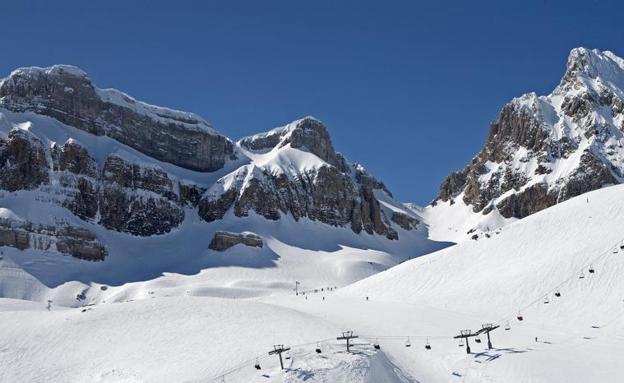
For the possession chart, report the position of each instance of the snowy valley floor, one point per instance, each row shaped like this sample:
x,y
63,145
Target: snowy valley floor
x,y
187,338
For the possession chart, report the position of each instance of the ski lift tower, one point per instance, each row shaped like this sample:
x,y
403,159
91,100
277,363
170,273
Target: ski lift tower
x,y
487,328
465,334
347,335
278,349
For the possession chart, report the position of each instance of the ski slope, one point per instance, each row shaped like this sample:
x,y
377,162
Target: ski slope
x,y
491,281
191,338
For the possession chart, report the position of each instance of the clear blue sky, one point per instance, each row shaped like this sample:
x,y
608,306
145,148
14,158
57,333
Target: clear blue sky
x,y
407,88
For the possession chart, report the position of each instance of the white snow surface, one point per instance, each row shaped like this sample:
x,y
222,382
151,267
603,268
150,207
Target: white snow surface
x,y
177,330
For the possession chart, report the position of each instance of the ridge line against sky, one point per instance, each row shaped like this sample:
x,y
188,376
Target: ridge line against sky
x,y
408,89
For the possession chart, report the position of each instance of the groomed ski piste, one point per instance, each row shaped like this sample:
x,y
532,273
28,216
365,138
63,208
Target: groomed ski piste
x,y
171,334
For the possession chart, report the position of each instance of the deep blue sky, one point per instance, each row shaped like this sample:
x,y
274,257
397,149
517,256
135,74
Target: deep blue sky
x,y
407,88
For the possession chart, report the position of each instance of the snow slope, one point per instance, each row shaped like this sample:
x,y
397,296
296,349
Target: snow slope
x,y
491,281
430,298
310,252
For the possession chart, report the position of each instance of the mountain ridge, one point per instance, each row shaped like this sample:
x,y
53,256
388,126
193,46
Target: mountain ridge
x,y
542,150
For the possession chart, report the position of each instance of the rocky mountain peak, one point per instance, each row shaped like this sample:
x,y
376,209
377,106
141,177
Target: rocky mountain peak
x,y
120,164
593,71
542,150
308,134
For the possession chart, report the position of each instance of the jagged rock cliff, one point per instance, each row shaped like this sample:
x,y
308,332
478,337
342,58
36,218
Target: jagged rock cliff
x,y
542,150
67,94
139,169
315,183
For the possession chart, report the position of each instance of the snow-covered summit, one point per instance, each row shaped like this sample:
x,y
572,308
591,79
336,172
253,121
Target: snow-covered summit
x,y
542,150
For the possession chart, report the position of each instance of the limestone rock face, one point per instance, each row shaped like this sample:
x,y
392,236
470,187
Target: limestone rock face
x,y
330,191
137,200
223,240
69,240
141,169
23,162
542,150
67,94
308,134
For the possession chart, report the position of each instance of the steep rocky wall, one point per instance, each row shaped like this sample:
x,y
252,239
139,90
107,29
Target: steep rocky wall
x,y
543,150
69,240
69,96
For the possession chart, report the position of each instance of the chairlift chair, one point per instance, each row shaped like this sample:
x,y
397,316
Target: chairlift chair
x,y
520,317
408,343
318,348
591,269
461,342
427,345
582,275
257,365
546,300
477,340
557,293
507,326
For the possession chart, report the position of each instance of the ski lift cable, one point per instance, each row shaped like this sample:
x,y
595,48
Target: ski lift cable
x,y
616,248
572,277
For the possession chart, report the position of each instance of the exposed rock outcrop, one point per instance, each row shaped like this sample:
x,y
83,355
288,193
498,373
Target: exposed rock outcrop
x,y
112,185
137,199
331,192
23,162
70,240
223,240
67,94
543,150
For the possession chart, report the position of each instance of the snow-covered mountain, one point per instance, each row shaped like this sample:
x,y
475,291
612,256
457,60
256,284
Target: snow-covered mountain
x,y
150,333
541,150
144,190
